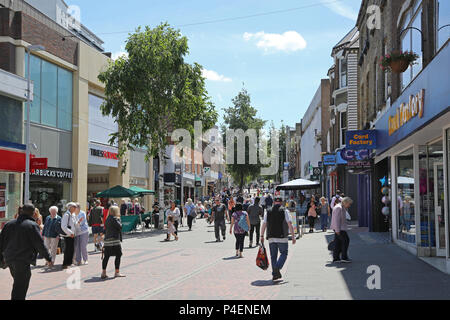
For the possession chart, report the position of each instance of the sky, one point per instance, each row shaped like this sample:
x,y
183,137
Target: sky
x,y
279,54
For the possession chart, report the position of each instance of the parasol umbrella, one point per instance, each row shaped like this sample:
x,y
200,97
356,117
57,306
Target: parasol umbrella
x,y
142,191
117,192
299,184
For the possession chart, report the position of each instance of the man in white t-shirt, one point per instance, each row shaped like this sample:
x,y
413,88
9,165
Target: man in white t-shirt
x,y
278,222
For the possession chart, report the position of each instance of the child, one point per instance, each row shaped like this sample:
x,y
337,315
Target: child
x,y
171,229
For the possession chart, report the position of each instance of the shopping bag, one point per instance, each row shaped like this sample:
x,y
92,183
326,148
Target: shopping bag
x,y
262,261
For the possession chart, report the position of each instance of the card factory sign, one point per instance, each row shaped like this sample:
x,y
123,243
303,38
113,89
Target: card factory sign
x,y
407,111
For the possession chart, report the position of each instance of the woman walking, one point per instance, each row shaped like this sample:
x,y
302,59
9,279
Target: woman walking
x,y
231,207
113,238
312,214
173,212
239,233
51,236
324,214
82,236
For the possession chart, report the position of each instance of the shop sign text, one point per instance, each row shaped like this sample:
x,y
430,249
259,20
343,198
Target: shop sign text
x,y
407,111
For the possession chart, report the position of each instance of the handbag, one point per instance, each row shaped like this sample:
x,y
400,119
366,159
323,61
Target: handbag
x,y
262,261
348,216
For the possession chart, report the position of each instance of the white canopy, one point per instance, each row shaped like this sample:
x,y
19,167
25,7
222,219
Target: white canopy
x,y
299,184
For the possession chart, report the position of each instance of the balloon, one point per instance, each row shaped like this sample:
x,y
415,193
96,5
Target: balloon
x,y
386,211
385,191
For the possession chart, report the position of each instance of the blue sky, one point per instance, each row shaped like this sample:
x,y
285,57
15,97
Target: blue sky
x,y
280,57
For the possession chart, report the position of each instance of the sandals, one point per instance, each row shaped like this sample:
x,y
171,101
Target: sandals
x,y
104,276
118,275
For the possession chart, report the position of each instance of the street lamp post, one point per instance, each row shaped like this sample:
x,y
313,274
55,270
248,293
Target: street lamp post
x,y
28,49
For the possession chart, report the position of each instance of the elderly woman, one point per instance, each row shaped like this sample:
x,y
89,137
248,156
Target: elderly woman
x,y
113,238
82,236
339,225
51,236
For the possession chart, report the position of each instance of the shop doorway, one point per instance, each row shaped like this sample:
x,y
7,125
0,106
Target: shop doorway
x,y
439,209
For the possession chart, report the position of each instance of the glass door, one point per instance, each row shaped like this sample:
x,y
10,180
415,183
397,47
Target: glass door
x,y
439,208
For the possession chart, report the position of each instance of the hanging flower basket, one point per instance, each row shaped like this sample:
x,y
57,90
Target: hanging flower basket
x,y
398,61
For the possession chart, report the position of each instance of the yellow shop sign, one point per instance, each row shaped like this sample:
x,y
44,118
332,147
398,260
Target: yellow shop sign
x,y
406,111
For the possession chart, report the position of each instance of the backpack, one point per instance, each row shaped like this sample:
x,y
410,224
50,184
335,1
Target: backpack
x,y
243,223
262,261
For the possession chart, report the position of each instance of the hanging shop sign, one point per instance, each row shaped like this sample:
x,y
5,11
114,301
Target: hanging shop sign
x,y
57,174
329,160
38,163
317,171
359,165
407,111
361,139
345,155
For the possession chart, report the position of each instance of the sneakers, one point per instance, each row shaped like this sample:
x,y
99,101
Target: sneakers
x,y
237,253
250,245
337,261
346,260
277,275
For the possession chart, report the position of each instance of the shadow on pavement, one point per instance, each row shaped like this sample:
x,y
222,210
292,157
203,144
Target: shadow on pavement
x,y
98,279
231,258
267,283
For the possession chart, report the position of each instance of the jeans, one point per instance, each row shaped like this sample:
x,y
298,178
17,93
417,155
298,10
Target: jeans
x,y
254,227
219,226
324,221
240,241
21,273
341,246
278,263
81,243
52,245
190,219
69,249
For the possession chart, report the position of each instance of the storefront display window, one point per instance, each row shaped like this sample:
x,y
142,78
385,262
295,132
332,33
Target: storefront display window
x,y
9,195
432,196
45,194
405,197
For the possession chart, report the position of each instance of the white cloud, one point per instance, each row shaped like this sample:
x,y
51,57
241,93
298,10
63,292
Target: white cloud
x,y
118,54
341,9
214,76
289,41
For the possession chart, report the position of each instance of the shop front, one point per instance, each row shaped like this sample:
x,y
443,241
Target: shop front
x,y
50,187
414,135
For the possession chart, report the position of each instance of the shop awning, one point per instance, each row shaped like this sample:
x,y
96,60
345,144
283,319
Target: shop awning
x,y
142,191
12,156
299,184
117,192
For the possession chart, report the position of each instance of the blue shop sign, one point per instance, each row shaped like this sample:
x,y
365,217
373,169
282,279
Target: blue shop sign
x,y
361,139
329,160
345,155
424,100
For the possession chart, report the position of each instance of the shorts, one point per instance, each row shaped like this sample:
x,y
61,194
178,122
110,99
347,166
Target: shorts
x,y
97,229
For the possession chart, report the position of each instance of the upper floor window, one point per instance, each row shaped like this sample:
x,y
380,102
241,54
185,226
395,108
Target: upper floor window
x,y
343,128
52,101
343,73
412,41
443,19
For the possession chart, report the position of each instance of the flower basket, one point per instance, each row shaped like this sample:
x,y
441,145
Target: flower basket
x,y
397,61
399,66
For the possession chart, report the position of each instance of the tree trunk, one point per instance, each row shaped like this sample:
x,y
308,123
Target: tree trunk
x,y
162,208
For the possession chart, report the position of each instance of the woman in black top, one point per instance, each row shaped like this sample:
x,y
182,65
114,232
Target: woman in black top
x,y
113,238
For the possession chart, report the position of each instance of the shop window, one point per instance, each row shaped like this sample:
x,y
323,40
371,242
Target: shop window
x,y
412,41
10,120
9,195
52,100
443,19
406,203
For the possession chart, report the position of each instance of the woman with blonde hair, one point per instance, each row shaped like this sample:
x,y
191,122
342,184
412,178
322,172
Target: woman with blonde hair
x,y
113,238
38,218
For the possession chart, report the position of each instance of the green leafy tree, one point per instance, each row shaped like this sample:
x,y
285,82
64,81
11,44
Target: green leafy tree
x,y
242,116
154,91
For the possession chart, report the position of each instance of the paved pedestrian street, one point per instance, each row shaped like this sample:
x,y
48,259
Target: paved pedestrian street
x,y
198,268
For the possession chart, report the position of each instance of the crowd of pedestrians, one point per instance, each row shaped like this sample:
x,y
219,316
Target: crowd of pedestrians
x,y
260,217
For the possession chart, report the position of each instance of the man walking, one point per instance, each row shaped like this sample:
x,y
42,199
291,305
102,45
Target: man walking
x,y
96,222
339,225
218,214
20,241
68,224
269,202
190,212
277,220
255,212
333,201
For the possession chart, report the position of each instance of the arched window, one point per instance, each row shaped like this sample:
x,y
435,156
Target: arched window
x,y
411,40
443,19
